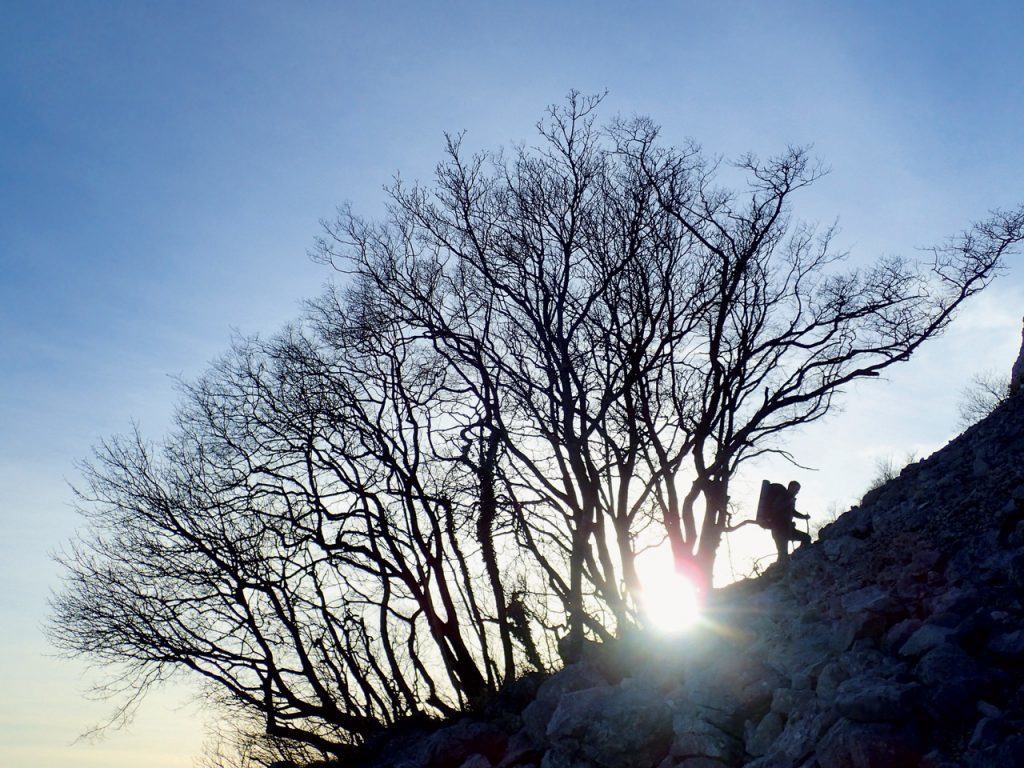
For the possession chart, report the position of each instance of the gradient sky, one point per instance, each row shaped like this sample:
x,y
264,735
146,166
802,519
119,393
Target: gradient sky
x,y
163,167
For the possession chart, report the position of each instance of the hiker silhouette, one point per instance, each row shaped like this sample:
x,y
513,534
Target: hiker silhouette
x,y
776,511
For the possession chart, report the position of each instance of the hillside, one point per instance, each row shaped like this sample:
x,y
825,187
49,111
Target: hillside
x,y
895,640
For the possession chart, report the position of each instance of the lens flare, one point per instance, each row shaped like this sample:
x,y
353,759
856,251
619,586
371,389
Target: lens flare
x,y
670,601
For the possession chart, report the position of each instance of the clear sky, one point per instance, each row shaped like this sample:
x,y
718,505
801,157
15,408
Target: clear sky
x,y
163,167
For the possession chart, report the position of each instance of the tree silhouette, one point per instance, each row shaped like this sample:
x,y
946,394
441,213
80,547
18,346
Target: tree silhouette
x,y
986,392
441,476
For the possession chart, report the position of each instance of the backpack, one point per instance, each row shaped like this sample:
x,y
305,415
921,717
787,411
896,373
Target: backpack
x,y
770,503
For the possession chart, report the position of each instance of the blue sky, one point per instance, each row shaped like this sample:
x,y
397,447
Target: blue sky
x,y
163,167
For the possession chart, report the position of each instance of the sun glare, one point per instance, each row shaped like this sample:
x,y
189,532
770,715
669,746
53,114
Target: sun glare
x,y
670,601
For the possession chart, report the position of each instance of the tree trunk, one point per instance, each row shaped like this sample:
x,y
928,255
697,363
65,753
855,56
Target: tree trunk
x,y
572,647
488,511
716,500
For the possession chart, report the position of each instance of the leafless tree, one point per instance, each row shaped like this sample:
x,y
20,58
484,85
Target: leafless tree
x,y
533,366
787,327
239,741
887,468
646,328
305,541
986,392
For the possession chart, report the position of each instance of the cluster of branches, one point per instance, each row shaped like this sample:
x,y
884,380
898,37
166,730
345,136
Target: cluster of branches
x,y
442,476
986,392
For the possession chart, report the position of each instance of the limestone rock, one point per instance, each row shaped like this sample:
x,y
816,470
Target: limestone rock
x,y
870,700
695,737
762,736
612,727
927,637
1017,372
537,714
868,745
450,747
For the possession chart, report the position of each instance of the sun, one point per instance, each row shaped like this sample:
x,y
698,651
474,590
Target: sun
x,y
669,600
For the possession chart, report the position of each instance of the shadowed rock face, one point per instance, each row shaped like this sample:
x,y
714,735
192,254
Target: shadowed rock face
x,y
1017,372
896,640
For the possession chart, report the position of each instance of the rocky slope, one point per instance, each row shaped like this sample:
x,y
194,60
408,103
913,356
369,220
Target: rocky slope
x,y
895,640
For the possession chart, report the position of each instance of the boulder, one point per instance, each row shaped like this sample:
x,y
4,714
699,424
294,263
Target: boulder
x,y
948,663
576,677
858,626
727,691
1007,646
760,738
868,745
899,633
871,599
990,730
450,747
954,683
786,701
755,699
521,750
927,637
832,674
869,700
803,731
696,737
612,727
855,524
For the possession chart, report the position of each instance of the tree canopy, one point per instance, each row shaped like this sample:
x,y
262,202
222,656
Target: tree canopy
x,y
440,476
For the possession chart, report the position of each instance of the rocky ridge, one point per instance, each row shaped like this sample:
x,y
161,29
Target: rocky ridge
x,y
897,639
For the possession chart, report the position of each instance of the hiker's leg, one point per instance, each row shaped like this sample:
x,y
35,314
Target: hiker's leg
x,y
801,537
781,545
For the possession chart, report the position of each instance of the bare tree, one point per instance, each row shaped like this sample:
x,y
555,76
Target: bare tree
x,y
303,541
787,328
534,366
647,328
986,392
239,741
887,469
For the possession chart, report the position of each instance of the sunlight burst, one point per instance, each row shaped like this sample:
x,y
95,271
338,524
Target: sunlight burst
x,y
670,601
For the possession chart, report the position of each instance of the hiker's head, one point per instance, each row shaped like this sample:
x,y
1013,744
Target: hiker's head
x,y
793,487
